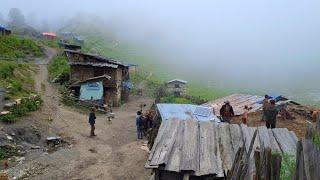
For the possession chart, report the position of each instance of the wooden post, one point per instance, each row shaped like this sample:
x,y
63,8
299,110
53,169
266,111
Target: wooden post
x,y
275,166
310,131
318,124
186,176
299,172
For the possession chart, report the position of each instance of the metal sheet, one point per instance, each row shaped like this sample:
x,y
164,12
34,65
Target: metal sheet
x,y
183,112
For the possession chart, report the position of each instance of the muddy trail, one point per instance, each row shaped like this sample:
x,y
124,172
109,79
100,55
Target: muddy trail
x,y
113,154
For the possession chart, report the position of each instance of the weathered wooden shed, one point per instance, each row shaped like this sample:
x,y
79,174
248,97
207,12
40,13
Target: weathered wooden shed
x,y
178,87
190,149
85,66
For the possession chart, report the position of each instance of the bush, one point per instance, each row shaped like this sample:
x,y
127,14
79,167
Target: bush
x,y
176,100
2,154
288,165
59,67
27,105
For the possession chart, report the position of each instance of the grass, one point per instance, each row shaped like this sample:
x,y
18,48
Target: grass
x,y
12,47
17,78
28,104
2,154
50,43
288,165
59,67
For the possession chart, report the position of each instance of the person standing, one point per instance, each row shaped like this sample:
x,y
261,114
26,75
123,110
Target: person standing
x,y
271,115
245,114
92,121
265,105
139,124
226,112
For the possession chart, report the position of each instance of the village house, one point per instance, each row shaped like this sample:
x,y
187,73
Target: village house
x,y
177,87
99,79
49,35
4,31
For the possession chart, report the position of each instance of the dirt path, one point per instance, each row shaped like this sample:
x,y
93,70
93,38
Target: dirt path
x,y
113,154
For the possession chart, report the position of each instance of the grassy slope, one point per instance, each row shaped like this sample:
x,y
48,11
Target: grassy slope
x,y
153,73
12,47
17,77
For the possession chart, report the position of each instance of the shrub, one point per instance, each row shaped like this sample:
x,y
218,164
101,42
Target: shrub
x,y
27,105
288,165
59,67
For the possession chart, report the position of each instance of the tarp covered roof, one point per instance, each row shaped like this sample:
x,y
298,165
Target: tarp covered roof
x,y
208,148
186,112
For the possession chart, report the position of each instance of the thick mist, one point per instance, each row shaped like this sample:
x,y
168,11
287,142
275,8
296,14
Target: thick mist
x,y
262,46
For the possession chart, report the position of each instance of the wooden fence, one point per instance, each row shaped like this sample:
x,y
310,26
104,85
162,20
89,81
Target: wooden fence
x,y
308,155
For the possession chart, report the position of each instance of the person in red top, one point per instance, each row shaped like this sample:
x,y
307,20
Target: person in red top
x,y
245,114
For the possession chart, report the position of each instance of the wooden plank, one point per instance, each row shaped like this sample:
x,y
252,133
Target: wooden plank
x,y
236,137
311,156
284,140
175,157
167,146
224,142
299,172
217,151
190,153
274,144
158,138
165,140
263,137
208,158
245,136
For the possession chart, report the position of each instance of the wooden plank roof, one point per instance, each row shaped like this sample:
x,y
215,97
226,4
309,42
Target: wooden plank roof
x,y
208,148
238,101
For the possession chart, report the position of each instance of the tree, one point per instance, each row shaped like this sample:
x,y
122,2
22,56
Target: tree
x,y
16,18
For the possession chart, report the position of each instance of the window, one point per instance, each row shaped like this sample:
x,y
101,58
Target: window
x,y
176,93
177,85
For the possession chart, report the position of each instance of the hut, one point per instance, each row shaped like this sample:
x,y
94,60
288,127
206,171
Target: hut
x,y
49,35
86,67
4,31
69,46
192,149
177,87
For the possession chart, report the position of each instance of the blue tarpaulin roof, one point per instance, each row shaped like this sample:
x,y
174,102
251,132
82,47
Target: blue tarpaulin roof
x,y
186,112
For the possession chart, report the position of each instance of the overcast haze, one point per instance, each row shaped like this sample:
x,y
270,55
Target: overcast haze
x,y
267,45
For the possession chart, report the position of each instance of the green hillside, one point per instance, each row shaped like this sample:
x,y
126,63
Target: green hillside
x,y
99,40
12,47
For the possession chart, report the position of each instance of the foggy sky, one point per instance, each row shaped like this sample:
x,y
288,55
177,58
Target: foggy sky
x,y
267,44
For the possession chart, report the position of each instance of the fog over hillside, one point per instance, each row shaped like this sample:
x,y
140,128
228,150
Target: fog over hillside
x,y
262,46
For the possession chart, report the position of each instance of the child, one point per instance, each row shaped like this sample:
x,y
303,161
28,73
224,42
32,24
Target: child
x,y
245,115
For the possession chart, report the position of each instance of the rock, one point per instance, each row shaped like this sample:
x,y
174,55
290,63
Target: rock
x,y
9,138
20,160
4,112
12,134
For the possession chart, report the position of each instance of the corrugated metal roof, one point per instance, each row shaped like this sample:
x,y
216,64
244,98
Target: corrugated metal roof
x,y
237,101
94,64
177,80
209,148
185,112
99,58
49,34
